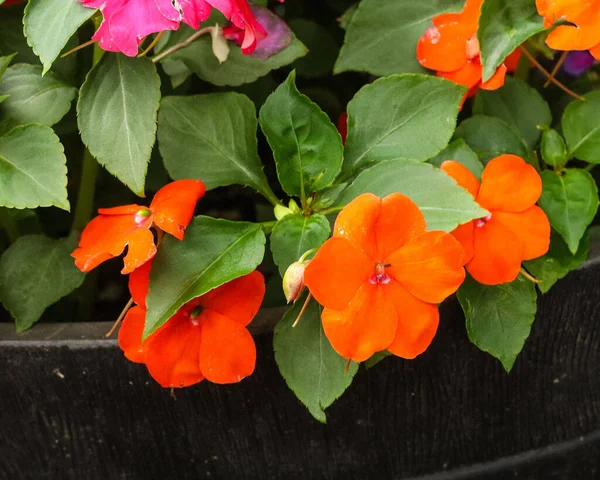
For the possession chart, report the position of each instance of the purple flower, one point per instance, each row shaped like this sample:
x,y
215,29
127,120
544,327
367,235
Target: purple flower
x,y
577,62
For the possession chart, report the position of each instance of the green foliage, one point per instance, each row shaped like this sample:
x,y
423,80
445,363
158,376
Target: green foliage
x,y
307,147
322,48
460,152
553,149
213,252
499,317
307,361
581,128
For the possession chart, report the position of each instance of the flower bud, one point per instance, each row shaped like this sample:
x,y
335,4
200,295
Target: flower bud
x,y
553,149
280,211
293,281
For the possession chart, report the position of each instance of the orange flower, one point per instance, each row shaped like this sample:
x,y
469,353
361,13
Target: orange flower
x,y
451,48
583,34
380,276
107,235
206,338
515,230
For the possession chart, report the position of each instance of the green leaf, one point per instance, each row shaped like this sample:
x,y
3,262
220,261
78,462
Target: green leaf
x,y
346,18
307,147
460,152
213,252
5,62
35,272
238,69
557,262
33,171
117,112
33,98
444,204
376,358
211,138
581,128
517,104
323,48
307,361
553,149
48,26
490,137
570,200
499,317
400,117
503,26
294,235
382,37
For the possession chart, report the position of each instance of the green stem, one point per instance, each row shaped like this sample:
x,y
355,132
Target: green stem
x,y
523,69
268,226
270,196
87,191
589,167
330,210
9,224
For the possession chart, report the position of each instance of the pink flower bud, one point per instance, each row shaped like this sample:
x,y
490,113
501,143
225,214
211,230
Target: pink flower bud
x,y
293,281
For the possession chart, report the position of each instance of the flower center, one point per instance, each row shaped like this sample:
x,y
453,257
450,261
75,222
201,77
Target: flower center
x,y
196,312
472,47
380,277
142,215
480,222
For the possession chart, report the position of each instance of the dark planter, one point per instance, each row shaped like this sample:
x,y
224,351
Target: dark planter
x,y
72,406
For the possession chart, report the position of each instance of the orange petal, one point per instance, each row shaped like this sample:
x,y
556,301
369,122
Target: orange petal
x,y
509,184
122,210
357,223
585,34
106,236
498,254
465,234
173,205
430,267
417,323
336,272
497,79
138,283
173,352
531,227
471,11
512,61
443,46
595,51
469,74
238,300
366,326
130,334
462,175
227,351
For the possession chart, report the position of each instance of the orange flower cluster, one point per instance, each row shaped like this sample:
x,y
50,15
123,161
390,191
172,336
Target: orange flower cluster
x,y
583,33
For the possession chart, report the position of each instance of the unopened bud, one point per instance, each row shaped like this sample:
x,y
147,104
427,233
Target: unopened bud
x,y
293,281
281,211
293,206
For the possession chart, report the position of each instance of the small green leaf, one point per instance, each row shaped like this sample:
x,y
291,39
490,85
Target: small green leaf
x,y
307,147
570,200
35,272
376,358
559,261
117,111
49,25
211,138
213,252
581,128
499,317
382,37
503,26
5,62
460,152
307,361
553,149
33,171
444,204
400,117
33,98
294,235
490,137
517,104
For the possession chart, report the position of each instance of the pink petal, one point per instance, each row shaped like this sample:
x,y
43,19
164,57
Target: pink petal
x,y
194,12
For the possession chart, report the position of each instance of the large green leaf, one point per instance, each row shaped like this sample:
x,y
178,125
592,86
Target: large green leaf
x,y
383,34
35,272
444,204
400,117
503,26
48,25
570,199
294,235
307,361
307,147
581,128
33,98
211,138
499,317
33,171
517,104
117,111
491,137
213,252
559,261
460,152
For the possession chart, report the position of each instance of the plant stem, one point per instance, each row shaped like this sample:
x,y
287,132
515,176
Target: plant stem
x,y
330,210
556,67
9,224
185,43
87,189
152,44
268,226
529,277
590,166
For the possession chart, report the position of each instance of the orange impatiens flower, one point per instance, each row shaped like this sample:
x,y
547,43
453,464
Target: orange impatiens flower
x,y
515,229
380,277
451,48
107,235
583,30
206,338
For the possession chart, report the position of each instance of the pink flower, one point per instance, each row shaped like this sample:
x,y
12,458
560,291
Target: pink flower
x,y
127,22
